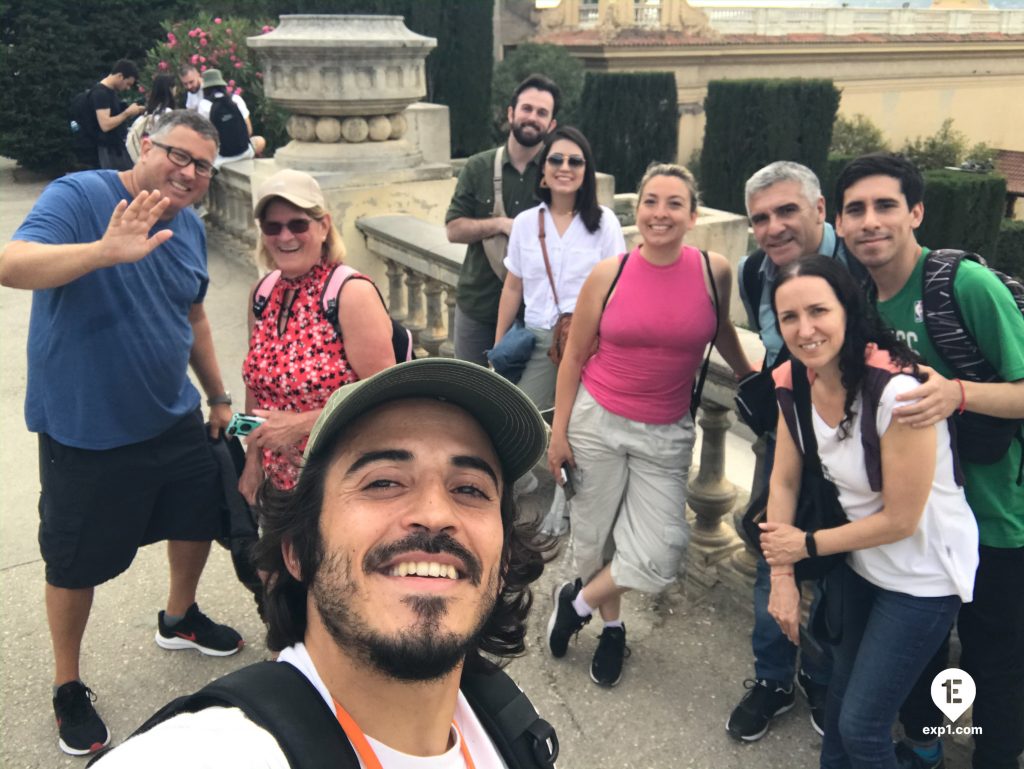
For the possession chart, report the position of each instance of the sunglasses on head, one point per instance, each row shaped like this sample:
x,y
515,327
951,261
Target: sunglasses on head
x,y
558,159
295,226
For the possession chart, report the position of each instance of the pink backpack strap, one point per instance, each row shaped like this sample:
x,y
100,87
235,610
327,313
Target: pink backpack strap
x,y
261,294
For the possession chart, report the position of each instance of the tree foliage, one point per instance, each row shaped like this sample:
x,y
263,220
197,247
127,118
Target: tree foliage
x,y
856,136
631,119
1010,248
536,58
751,123
962,210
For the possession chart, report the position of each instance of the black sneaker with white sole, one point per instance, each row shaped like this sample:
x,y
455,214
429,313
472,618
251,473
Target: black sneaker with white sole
x,y
763,701
606,669
564,622
197,631
81,729
816,694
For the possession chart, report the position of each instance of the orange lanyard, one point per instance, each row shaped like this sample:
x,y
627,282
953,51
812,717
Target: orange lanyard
x,y
361,744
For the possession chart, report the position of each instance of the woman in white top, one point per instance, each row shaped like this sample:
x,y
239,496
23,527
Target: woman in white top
x,y
912,544
578,233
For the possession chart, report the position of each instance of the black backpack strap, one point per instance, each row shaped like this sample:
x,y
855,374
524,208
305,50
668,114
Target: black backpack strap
x,y
522,737
698,385
752,285
615,280
279,698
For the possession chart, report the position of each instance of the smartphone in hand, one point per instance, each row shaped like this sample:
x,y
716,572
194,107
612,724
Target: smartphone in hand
x,y
243,424
567,485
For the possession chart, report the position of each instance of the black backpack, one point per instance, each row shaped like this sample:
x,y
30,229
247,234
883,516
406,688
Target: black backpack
x,y
279,698
981,439
230,125
83,126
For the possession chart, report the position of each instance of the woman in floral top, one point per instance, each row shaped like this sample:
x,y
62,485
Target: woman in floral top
x,y
296,357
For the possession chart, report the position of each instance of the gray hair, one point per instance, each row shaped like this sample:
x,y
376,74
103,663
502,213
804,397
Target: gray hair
x,y
188,118
783,171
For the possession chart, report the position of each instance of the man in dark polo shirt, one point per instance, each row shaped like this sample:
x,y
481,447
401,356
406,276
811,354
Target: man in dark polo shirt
x,y
472,218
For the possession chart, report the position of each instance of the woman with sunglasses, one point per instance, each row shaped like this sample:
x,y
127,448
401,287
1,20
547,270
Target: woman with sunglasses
x,y
576,233
911,541
296,356
622,415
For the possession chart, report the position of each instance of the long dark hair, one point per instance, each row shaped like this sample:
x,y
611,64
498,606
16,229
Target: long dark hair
x,y
863,326
294,516
586,196
161,95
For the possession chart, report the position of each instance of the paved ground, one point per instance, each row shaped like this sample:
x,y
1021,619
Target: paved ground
x,y
690,649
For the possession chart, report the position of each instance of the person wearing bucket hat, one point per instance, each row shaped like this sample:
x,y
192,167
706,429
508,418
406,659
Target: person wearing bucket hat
x,y
230,115
396,560
297,354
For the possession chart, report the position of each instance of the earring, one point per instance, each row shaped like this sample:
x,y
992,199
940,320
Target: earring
x,y
543,182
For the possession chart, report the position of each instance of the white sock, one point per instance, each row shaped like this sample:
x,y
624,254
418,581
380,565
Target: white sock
x,y
582,607
613,623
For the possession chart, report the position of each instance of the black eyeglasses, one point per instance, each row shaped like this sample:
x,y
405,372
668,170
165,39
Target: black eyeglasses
x,y
558,160
295,227
182,159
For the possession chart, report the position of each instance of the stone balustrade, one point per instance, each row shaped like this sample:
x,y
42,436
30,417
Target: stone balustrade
x,y
422,271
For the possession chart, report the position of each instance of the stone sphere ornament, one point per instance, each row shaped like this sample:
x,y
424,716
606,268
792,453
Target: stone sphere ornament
x,y
328,130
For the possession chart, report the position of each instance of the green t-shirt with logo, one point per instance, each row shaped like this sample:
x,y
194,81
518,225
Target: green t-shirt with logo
x,y
479,290
993,320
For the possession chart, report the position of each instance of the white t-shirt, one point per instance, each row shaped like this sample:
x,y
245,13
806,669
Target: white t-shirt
x,y
938,559
214,738
572,255
205,105
193,99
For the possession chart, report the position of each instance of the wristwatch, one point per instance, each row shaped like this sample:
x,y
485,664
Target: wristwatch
x,y
217,400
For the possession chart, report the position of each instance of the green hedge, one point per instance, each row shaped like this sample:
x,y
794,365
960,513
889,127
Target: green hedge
x,y
1010,248
962,210
751,123
631,119
833,166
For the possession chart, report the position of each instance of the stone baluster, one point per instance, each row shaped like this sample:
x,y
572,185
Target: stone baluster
x,y
434,334
711,497
448,346
416,319
396,292
744,560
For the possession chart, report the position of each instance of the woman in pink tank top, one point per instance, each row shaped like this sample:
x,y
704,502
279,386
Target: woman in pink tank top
x,y
622,425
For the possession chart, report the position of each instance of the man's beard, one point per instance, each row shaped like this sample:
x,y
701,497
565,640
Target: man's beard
x,y
527,140
422,652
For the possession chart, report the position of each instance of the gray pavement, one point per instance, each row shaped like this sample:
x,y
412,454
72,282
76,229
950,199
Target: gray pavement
x,y
690,648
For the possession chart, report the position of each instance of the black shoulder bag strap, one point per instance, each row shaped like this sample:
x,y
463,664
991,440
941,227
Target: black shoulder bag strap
x,y
804,420
750,278
522,737
698,385
280,699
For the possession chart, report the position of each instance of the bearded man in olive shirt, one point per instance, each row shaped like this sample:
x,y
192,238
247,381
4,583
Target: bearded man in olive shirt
x,y
470,218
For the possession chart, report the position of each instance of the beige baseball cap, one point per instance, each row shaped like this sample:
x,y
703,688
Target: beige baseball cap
x,y
298,188
509,418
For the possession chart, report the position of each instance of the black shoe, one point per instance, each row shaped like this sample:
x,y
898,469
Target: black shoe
x,y
81,729
908,759
815,694
564,622
197,631
763,701
606,669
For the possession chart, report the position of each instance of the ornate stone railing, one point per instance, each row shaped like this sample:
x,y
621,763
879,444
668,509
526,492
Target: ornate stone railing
x,y
422,271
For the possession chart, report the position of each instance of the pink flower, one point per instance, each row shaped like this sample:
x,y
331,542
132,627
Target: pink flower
x,y
259,75
217,20
163,65
195,58
172,44
238,65
193,32
202,41
170,37
267,28
231,83
238,91
202,58
202,68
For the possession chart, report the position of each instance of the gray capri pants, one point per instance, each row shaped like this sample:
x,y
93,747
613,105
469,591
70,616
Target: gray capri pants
x,y
630,503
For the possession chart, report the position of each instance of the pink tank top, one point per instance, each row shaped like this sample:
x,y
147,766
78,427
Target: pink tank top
x,y
654,332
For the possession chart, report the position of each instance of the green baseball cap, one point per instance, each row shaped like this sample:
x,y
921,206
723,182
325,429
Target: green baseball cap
x,y
509,418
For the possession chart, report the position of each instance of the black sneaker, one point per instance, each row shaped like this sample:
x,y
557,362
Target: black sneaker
x,y
908,759
815,694
763,701
564,622
81,729
197,631
606,669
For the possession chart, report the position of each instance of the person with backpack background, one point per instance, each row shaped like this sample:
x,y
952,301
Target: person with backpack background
x,y
906,540
297,354
230,116
159,101
966,323
395,564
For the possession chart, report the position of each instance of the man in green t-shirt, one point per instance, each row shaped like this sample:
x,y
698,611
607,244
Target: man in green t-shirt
x,y
879,204
471,220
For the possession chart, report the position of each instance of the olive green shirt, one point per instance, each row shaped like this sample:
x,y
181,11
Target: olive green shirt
x,y
479,290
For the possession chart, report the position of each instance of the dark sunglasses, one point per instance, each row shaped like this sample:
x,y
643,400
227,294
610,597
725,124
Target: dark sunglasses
x,y
558,159
295,227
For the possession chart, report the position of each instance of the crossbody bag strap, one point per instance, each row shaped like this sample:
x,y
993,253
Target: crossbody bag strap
x,y
544,252
804,418
499,201
698,386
